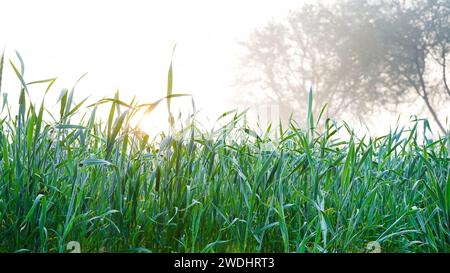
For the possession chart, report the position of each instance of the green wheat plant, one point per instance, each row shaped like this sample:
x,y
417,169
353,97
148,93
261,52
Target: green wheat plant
x,y
106,184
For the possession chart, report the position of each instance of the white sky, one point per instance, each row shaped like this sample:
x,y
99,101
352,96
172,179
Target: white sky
x,y
126,45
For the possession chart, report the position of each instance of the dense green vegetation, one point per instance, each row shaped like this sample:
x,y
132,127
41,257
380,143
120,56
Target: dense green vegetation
x,y
105,184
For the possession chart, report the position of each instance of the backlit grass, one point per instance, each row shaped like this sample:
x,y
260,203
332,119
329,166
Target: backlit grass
x,y
104,183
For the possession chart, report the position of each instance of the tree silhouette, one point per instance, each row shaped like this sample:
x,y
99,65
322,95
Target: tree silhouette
x,y
357,55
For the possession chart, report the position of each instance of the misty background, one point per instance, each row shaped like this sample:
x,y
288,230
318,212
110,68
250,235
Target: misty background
x,y
371,61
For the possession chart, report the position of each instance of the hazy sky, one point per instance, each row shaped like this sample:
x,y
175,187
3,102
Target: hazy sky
x,y
126,45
